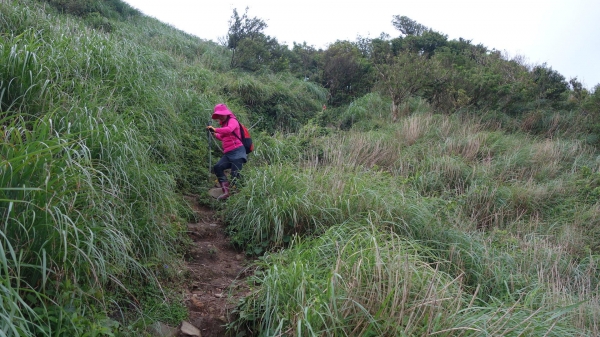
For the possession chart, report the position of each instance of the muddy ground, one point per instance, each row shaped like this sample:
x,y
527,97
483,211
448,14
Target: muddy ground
x,y
217,273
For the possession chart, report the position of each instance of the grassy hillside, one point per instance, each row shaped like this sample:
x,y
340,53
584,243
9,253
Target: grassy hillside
x,y
447,212
434,224
103,127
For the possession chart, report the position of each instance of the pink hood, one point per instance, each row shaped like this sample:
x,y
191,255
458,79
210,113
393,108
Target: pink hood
x,y
221,109
226,132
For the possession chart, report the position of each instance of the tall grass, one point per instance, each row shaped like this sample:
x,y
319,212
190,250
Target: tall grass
x,y
436,224
284,102
72,224
88,174
280,201
483,204
356,280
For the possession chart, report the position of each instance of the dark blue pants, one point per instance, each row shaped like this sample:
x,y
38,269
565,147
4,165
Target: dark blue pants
x,y
234,163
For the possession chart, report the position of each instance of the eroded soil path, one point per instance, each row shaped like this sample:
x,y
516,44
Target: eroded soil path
x,y
216,273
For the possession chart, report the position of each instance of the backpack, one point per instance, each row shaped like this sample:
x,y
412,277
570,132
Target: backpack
x,y
245,138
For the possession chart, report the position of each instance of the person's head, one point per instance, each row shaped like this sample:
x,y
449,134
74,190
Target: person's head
x,y
221,112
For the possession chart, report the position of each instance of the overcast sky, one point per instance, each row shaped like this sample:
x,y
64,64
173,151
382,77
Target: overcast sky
x,y
564,34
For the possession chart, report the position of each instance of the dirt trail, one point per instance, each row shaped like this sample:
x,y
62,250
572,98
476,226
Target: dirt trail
x,y
216,272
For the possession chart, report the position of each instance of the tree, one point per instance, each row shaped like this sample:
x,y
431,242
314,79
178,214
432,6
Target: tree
x,y
381,51
550,83
482,80
243,28
408,74
591,103
418,38
407,26
425,43
252,54
346,73
579,93
306,61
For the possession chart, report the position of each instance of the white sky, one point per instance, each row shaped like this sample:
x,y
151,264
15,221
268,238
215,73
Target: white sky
x,y
565,34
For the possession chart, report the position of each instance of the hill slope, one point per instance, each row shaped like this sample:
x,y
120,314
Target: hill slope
x,y
470,204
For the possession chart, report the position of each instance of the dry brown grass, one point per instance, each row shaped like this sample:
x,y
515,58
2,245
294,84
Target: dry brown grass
x,y
469,147
413,128
361,150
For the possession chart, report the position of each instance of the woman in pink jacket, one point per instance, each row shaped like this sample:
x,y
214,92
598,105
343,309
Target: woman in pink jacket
x,y
234,153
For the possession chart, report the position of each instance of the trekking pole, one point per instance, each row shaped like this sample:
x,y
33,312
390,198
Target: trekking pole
x,y
258,121
209,151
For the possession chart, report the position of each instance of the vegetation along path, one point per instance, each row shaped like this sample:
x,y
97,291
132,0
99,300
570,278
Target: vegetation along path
x,y
216,272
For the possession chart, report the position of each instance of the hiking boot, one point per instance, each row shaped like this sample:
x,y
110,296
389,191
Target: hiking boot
x,y
225,189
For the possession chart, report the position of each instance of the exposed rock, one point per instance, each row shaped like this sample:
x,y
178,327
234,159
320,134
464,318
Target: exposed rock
x,y
159,329
196,303
189,330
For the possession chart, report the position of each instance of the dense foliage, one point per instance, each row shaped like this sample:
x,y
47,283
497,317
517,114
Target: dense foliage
x,y
408,184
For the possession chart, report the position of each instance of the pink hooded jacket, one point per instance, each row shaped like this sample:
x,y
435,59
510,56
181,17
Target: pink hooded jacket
x,y
226,132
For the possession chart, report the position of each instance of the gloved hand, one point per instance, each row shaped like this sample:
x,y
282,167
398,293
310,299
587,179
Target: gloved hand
x,y
210,128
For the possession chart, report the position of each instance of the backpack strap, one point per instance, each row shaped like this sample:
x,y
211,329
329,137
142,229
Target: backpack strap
x,y
241,130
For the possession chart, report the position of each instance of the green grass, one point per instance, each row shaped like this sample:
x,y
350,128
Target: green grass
x,y
489,209
102,113
470,224
356,280
86,207
279,201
